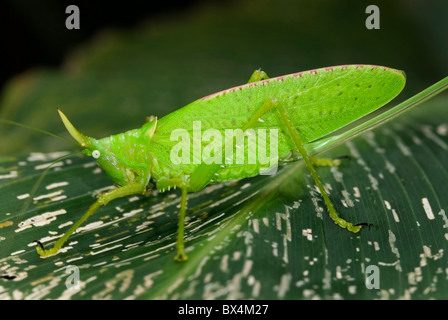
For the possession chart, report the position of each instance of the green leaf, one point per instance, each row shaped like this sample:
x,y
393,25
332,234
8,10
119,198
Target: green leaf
x,y
267,237
264,238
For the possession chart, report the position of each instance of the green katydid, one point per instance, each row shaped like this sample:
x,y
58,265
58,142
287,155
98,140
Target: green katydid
x,y
308,111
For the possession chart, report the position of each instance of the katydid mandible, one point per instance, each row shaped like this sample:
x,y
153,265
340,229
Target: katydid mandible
x,y
304,109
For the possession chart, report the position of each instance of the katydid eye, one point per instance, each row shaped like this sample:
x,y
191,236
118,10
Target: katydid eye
x,y
96,154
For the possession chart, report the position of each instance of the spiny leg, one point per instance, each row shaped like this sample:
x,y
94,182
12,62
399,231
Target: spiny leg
x,y
298,143
184,185
180,255
272,103
103,199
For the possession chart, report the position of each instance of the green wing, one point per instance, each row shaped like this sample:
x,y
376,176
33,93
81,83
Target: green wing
x,y
318,101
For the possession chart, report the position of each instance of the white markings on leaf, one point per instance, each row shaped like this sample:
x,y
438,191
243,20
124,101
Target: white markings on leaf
x,y
428,209
405,150
376,246
132,212
445,220
39,156
394,249
66,224
133,198
17,252
46,165
390,167
442,129
40,220
427,131
338,176
285,282
370,138
90,226
373,182
11,175
346,201
106,249
394,212
255,225
307,233
57,195
57,185
89,164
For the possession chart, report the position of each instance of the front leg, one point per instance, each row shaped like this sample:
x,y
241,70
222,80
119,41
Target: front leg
x,y
103,199
183,184
180,255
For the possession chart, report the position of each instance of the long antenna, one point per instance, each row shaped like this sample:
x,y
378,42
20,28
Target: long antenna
x,y
38,130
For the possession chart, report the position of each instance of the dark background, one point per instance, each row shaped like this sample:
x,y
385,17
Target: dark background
x,y
32,35
33,32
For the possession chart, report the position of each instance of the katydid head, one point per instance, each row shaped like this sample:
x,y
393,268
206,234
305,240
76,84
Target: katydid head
x,y
111,152
98,150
